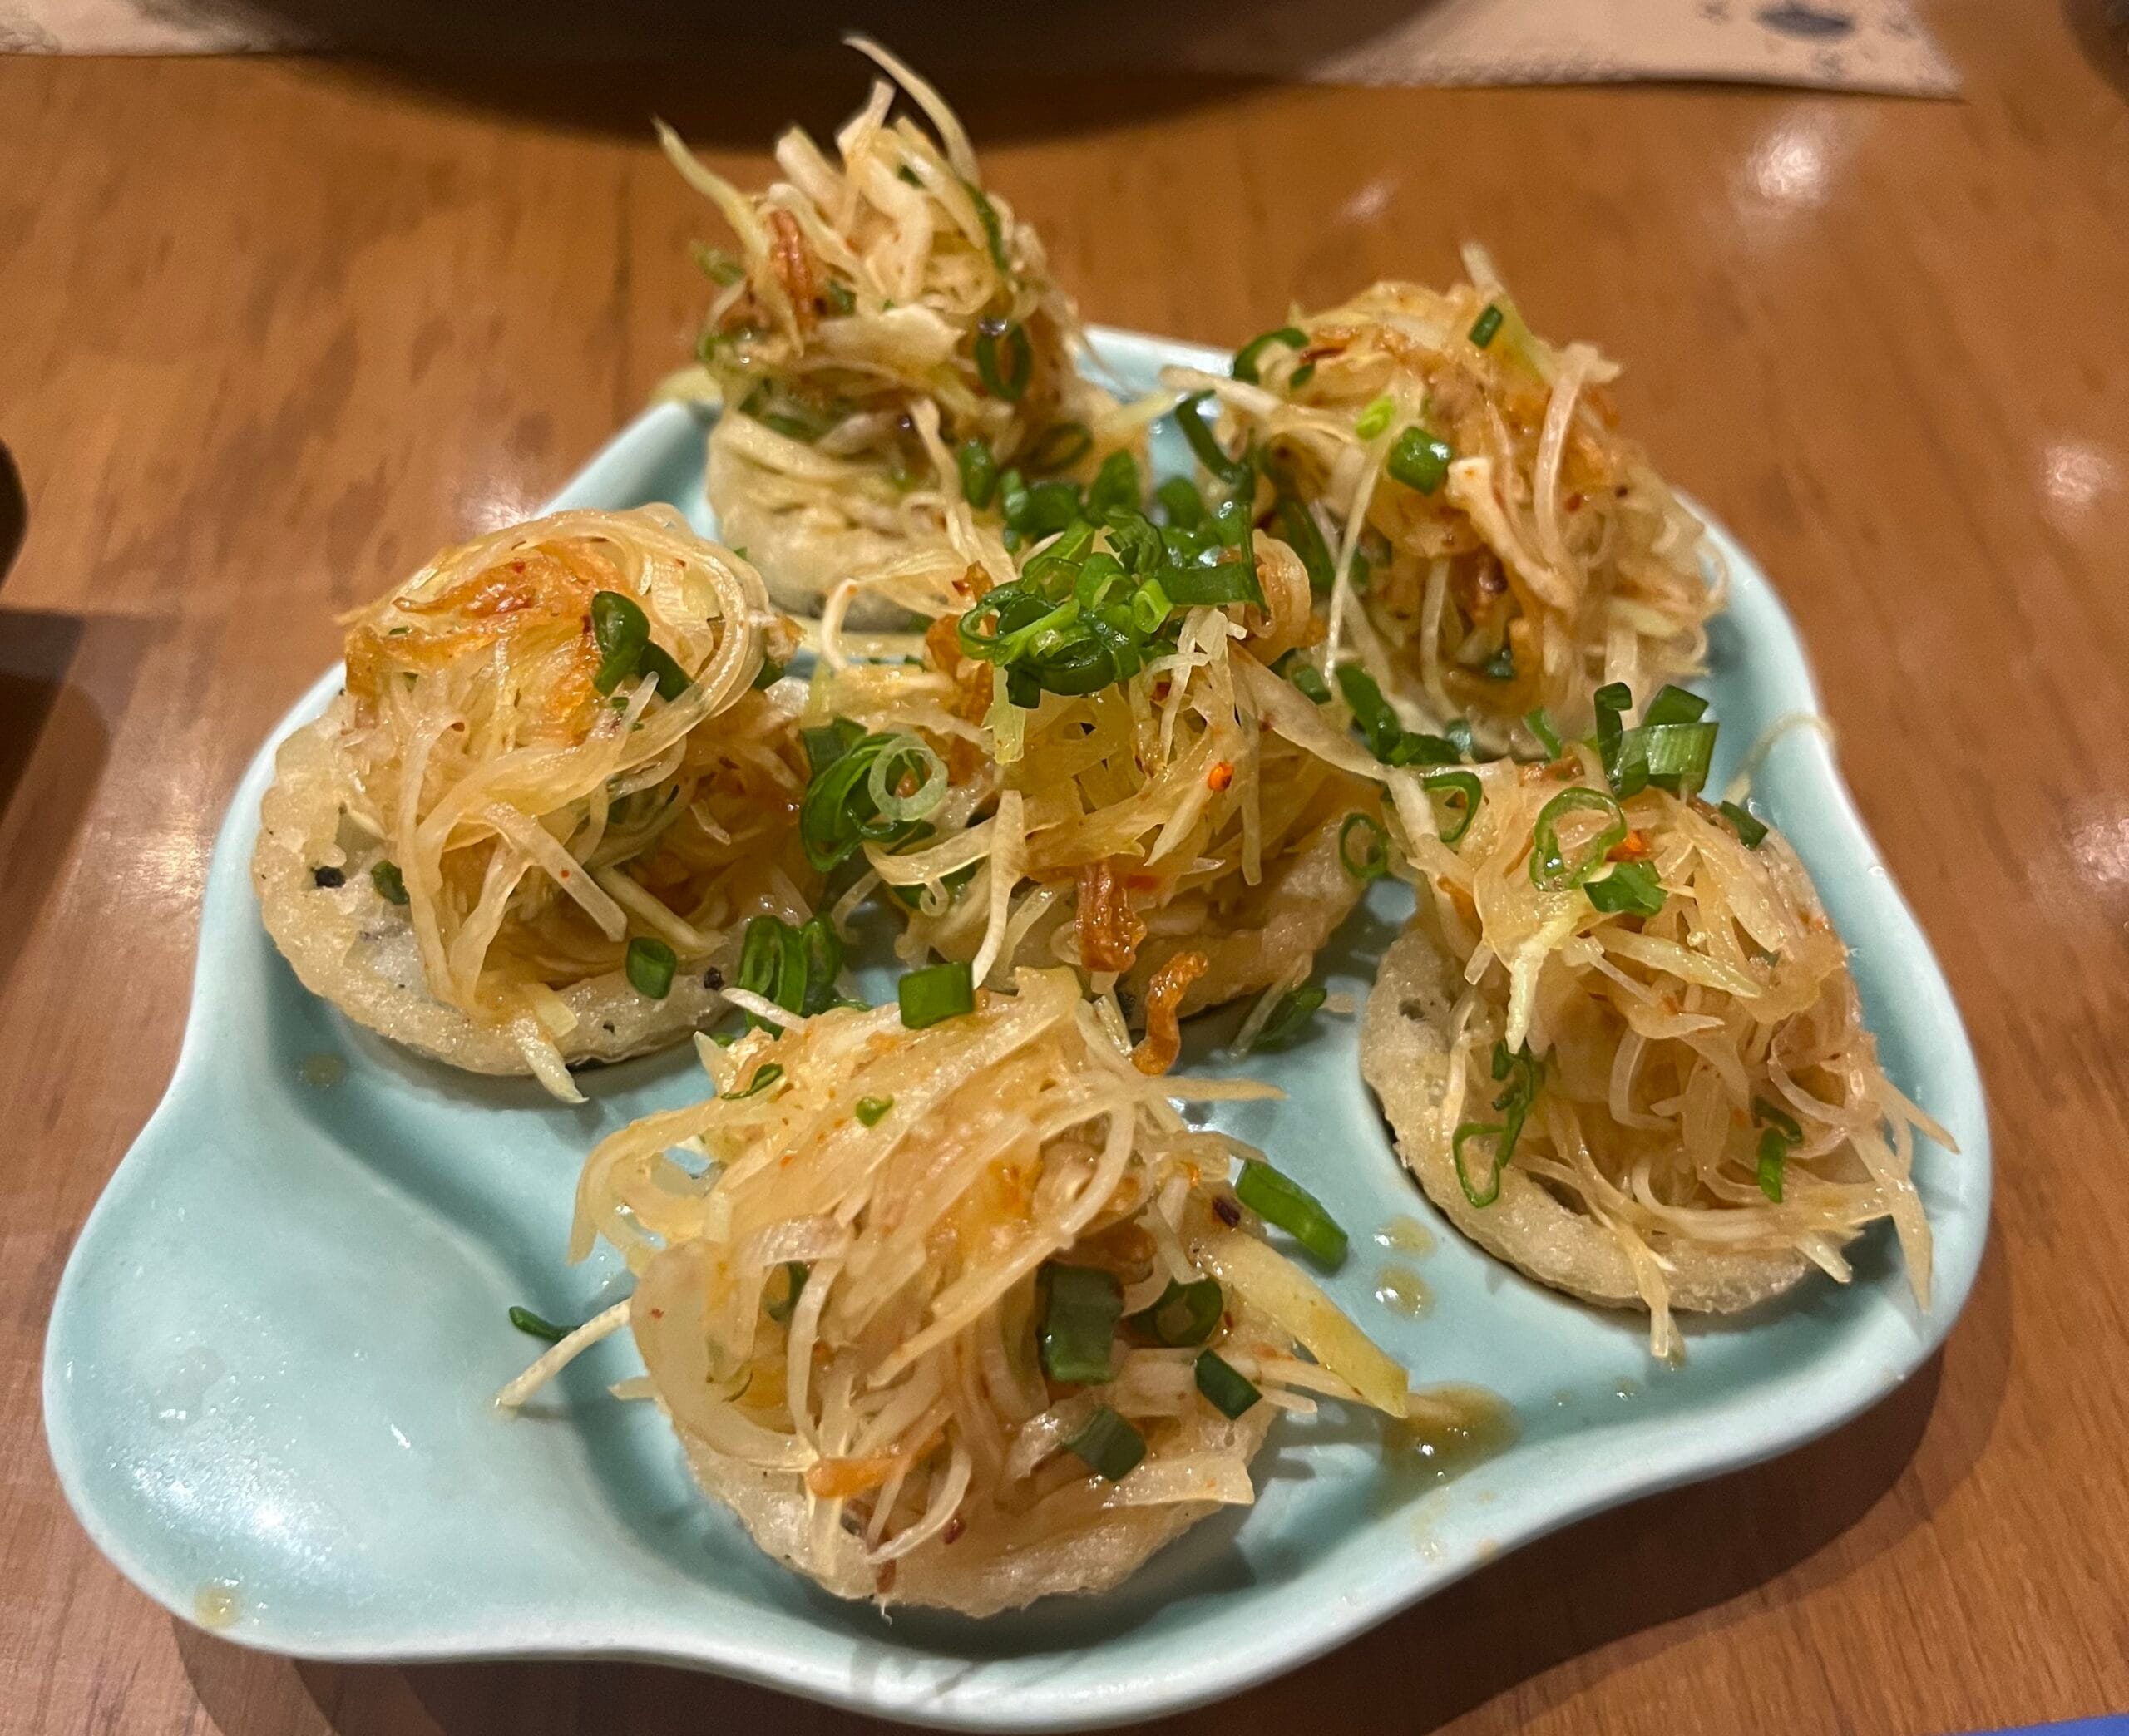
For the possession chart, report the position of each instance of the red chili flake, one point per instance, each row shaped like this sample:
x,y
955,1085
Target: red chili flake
x,y
1220,776
1227,1211
1574,501
657,1314
954,1529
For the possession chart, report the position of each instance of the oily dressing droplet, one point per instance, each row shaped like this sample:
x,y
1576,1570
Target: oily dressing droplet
x,y
1450,1429
1402,1291
1405,1235
322,1071
216,1605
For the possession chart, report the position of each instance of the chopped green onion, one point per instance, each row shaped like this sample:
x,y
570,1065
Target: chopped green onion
x,y
1290,1014
994,232
795,968
1377,417
1311,681
1377,721
1109,1443
1185,1313
390,884
978,466
871,1110
1674,705
1226,1391
1189,417
1525,1075
1374,859
936,992
841,298
1301,377
1449,786
1183,505
1280,1201
527,1322
795,1274
1079,1307
1229,582
770,672
1416,747
1115,487
1150,607
1540,725
1631,887
1419,460
1773,1155
765,1076
828,744
1060,446
621,630
1011,386
1550,867
1678,755
1751,832
1483,328
1291,338
649,964
1296,528
906,756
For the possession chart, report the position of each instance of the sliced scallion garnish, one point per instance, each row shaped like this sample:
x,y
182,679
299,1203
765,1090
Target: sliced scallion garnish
x,y
1075,1330
1752,831
1525,1075
1631,887
978,466
649,964
765,1076
527,1322
1370,859
1290,1014
390,884
1420,460
1280,1201
1459,792
1292,338
1227,1391
1539,723
1110,1445
1486,325
871,1110
1189,417
1011,385
1551,868
937,992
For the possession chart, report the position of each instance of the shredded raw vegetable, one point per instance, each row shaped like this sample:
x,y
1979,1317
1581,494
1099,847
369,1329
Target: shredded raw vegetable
x,y
1621,1046
1485,541
887,341
554,764
1002,1341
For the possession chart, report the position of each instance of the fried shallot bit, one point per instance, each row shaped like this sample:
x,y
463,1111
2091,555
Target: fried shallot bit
x,y
1110,928
1162,1042
794,265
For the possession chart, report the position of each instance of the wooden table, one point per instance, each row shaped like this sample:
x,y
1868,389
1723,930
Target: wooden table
x,y
270,333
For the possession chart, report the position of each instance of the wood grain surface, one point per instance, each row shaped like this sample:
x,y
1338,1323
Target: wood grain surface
x,y
270,333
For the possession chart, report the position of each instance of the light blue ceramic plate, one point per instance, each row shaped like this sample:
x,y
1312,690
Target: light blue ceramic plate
x,y
267,1381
